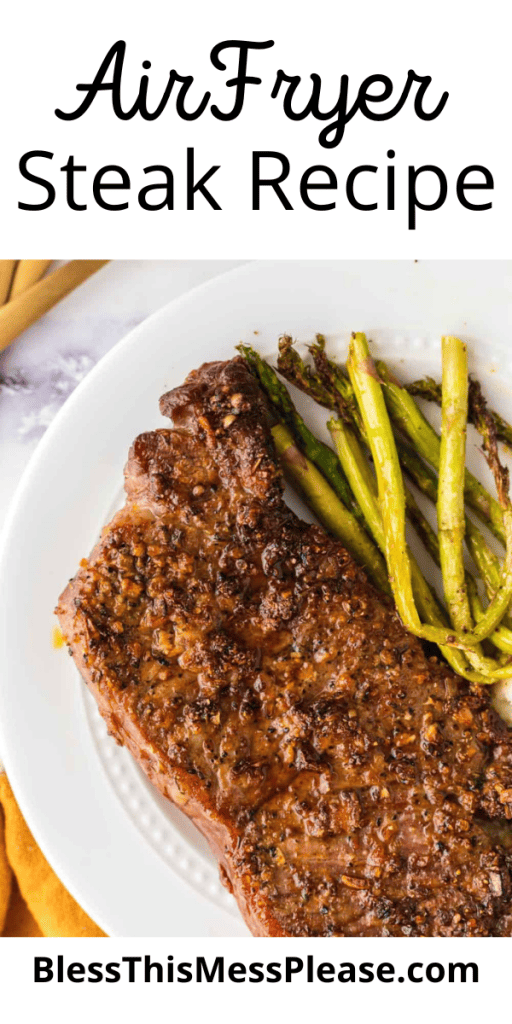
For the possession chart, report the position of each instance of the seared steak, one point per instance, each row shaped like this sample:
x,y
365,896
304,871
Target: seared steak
x,y
347,783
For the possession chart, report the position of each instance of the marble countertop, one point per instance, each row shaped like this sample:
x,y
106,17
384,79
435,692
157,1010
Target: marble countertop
x,y
40,370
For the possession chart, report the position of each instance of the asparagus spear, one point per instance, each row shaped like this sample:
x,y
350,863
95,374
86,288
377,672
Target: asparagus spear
x,y
328,508
359,476
429,389
294,369
426,388
486,426
450,500
364,486
487,422
450,510
337,385
319,453
409,418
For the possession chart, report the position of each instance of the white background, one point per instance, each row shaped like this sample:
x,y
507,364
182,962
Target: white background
x,y
298,1001
46,49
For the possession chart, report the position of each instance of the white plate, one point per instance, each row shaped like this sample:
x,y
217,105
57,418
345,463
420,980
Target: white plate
x,y
130,859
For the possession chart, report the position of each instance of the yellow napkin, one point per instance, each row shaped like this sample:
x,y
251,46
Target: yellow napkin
x,y
32,900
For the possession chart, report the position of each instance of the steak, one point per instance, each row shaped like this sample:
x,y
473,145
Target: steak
x,y
347,782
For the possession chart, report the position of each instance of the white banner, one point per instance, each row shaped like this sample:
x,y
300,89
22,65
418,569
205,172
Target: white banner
x,y
229,130
226,979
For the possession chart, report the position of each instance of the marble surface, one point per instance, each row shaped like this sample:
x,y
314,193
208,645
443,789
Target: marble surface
x,y
40,370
